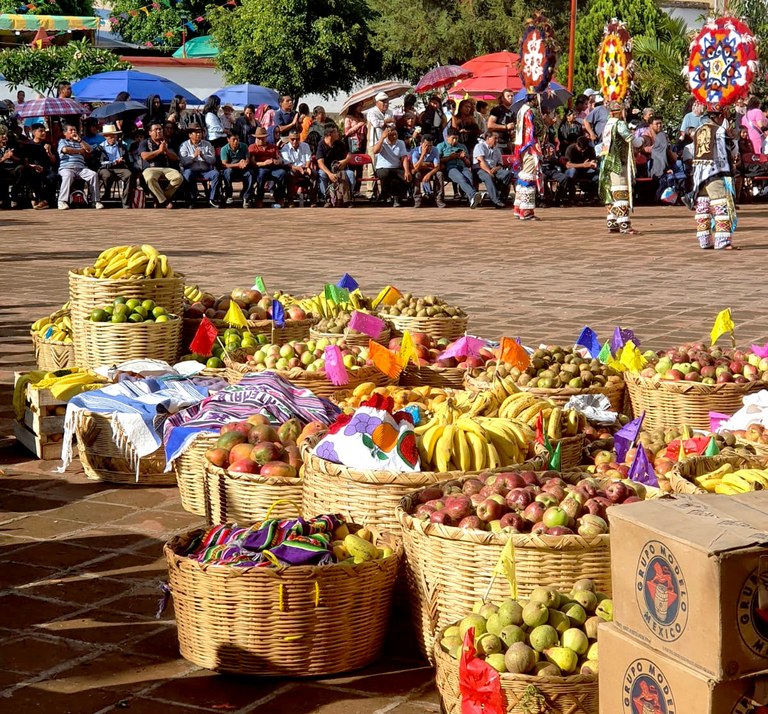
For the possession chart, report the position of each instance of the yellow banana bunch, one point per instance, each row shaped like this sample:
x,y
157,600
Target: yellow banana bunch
x,y
192,293
728,481
525,407
327,308
130,261
55,327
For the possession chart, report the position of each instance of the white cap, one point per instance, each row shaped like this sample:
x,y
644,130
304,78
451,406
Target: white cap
x,y
599,98
589,92
381,97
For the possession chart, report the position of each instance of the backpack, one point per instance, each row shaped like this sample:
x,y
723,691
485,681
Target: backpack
x,y
339,194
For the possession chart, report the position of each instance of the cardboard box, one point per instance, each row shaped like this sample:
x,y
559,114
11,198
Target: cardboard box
x,y
690,578
637,680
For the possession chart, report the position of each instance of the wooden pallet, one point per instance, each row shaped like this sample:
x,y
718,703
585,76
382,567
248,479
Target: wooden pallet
x,y
41,430
39,400
41,448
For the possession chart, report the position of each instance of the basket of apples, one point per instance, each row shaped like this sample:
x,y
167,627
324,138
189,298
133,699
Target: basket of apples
x,y
683,385
545,528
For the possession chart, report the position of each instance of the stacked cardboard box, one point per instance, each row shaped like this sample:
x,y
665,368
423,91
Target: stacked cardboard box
x,y
690,594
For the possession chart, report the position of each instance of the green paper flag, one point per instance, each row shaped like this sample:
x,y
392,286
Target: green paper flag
x,y
337,294
258,284
554,462
712,448
548,446
605,352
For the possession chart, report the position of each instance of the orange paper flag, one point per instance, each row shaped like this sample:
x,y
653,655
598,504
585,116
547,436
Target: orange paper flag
x,y
388,296
384,360
513,353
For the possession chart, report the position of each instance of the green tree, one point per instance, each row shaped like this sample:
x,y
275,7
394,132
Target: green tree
x,y
296,46
44,69
50,7
416,35
755,14
160,27
642,17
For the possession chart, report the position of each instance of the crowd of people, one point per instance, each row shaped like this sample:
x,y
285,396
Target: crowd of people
x,y
171,154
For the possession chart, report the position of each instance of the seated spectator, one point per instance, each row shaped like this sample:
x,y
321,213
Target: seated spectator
x,y
227,117
501,119
316,131
91,135
198,161
554,174
72,154
42,168
428,179
489,169
464,121
266,164
234,158
114,164
432,119
335,178
455,162
569,130
580,165
408,131
158,161
643,127
285,118
13,174
174,136
297,158
246,124
756,124
391,165
481,115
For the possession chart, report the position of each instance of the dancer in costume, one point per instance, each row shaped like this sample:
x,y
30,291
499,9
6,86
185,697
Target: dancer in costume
x,y
721,69
529,133
617,170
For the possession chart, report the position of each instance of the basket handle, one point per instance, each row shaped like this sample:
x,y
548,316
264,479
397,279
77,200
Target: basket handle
x,y
280,501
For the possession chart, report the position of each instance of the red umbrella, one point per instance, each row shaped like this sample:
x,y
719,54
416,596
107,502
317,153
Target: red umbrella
x,y
442,77
50,106
493,74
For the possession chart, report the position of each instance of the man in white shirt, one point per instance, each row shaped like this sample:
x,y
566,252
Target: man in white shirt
x,y
489,168
377,117
297,158
198,161
391,164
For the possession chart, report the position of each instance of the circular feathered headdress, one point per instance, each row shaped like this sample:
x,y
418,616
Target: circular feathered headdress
x,y
615,66
538,54
722,63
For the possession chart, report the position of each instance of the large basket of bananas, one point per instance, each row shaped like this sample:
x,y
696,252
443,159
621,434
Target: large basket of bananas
x,y
728,473
52,340
130,271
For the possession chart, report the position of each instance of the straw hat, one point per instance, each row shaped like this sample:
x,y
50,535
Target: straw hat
x,y
110,130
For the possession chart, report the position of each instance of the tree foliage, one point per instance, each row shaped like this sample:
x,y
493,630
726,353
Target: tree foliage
x,y
44,69
167,23
296,46
416,35
642,17
49,7
755,14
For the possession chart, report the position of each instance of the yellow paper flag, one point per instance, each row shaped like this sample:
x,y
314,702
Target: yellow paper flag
x,y
723,324
631,357
388,296
384,360
235,315
513,353
408,350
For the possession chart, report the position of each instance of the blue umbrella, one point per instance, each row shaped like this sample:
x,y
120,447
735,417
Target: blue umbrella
x,y
555,95
105,86
239,95
116,108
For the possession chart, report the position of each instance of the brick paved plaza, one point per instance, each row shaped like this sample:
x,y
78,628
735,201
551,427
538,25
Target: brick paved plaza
x,y
80,562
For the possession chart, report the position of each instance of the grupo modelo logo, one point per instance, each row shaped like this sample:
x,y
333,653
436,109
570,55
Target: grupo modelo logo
x,y
661,592
646,690
753,613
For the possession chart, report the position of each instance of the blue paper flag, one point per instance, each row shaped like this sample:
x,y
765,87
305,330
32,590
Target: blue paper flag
x,y
625,436
642,471
588,339
278,313
348,282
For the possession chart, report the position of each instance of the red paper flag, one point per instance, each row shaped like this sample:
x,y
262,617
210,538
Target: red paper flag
x,y
540,429
385,361
204,338
478,682
513,353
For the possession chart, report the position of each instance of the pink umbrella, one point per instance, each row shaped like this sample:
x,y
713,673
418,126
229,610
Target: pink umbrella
x,y
442,77
493,74
51,106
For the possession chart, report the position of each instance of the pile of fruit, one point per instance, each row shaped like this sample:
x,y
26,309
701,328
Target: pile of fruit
x,y
424,399
553,367
130,310
130,261
428,306
309,356
358,547
254,446
526,502
709,365
730,481
231,341
55,327
429,350
754,433
254,305
552,634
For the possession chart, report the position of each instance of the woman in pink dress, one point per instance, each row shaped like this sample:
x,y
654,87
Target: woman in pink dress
x,y
755,122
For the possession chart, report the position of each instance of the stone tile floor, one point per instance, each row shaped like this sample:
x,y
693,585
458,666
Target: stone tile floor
x,y
81,562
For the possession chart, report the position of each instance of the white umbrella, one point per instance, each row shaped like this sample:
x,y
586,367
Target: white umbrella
x,y
365,96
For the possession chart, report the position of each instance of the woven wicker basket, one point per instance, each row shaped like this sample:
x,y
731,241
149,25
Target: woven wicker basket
x,y
669,404
369,497
109,343
356,339
435,327
87,293
246,498
522,693
571,451
449,569
51,356
298,621
103,460
293,330
682,475
316,382
429,376
189,468
614,390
